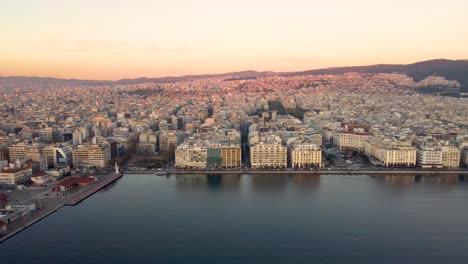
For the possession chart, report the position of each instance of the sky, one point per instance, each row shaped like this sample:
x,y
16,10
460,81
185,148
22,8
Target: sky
x,y
112,39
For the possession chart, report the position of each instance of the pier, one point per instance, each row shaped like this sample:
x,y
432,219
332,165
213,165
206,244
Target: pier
x,y
30,220
95,189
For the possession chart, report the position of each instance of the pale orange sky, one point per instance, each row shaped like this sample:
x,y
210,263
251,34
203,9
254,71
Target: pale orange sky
x,y
126,39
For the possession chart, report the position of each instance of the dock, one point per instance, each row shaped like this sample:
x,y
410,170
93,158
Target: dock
x,y
36,217
95,189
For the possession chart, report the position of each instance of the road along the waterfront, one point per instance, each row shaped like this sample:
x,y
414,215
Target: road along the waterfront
x,y
285,171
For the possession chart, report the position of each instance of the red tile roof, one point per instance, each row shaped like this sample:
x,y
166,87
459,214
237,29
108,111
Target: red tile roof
x,y
76,181
41,173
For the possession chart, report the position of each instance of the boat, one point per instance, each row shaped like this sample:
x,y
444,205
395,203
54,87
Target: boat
x,y
161,173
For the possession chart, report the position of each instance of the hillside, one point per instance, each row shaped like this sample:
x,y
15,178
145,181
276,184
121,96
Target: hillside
x,y
449,69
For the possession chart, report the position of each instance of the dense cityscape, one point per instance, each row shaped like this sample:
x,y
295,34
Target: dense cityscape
x,y
54,140
60,145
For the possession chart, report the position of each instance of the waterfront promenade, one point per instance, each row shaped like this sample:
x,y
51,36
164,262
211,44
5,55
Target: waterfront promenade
x,y
313,172
52,203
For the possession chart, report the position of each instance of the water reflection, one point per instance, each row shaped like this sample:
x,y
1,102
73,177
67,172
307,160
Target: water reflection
x,y
464,178
212,181
441,179
305,182
278,182
396,179
401,180
259,182
231,182
270,183
189,182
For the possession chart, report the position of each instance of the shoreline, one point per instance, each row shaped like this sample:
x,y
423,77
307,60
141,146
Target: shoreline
x,y
100,185
36,217
34,220
313,172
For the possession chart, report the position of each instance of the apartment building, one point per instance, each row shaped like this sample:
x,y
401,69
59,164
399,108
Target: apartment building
x,y
351,136
451,155
191,156
208,155
10,177
429,153
4,153
97,155
147,142
168,139
17,151
306,155
231,156
268,155
391,153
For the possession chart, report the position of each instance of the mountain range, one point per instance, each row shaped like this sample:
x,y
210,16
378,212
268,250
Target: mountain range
x,y
449,69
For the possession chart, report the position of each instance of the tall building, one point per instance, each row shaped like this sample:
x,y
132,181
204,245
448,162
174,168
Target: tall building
x,y
215,148
168,139
213,158
63,156
12,177
313,137
4,153
191,156
17,151
48,152
77,137
34,152
97,155
268,155
450,155
351,136
429,153
46,134
391,153
147,142
306,155
465,156
231,156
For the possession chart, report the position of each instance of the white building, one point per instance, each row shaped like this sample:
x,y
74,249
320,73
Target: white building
x,y
268,155
429,154
391,153
306,155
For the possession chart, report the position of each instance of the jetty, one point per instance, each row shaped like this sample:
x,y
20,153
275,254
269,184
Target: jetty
x,y
96,187
55,205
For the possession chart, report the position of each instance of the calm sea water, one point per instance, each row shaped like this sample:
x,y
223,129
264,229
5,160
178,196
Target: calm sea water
x,y
256,219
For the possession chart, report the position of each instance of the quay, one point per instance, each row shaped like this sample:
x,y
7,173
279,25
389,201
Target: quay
x,y
95,189
312,172
31,222
36,217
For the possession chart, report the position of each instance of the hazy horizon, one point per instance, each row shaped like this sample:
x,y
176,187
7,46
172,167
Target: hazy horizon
x,y
112,40
220,73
